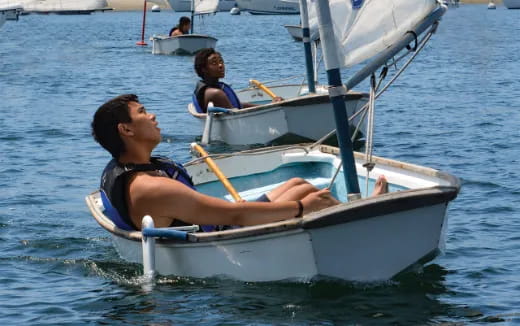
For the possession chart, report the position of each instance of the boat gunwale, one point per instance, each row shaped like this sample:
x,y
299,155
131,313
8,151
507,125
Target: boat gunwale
x,y
309,99
194,36
340,214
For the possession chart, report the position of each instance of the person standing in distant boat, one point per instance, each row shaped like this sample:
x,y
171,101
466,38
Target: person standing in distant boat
x,y
182,28
209,65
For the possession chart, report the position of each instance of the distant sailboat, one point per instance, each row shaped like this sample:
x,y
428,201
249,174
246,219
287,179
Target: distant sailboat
x,y
188,43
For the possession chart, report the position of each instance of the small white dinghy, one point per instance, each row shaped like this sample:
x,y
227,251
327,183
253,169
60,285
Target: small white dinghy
x,y
302,117
370,239
183,44
191,43
295,31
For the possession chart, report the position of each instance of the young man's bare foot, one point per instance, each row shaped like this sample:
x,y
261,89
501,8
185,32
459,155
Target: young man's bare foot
x,y
381,186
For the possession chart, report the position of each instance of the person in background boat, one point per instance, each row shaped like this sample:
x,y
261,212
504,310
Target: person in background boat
x,y
138,183
209,65
182,28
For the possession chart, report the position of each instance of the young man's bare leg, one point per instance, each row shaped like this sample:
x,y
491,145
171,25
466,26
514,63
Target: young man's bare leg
x,y
381,186
302,188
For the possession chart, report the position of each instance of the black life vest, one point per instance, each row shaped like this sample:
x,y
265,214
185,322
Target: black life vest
x,y
115,178
200,88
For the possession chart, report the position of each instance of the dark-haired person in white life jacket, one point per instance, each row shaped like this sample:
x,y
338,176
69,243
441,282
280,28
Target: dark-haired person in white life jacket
x,y
139,184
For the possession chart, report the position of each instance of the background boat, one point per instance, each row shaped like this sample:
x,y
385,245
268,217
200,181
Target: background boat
x,y
9,10
301,117
185,5
268,7
295,31
511,4
64,6
183,44
189,43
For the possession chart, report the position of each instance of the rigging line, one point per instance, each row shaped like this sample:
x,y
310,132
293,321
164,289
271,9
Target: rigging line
x,y
330,133
358,127
282,79
422,43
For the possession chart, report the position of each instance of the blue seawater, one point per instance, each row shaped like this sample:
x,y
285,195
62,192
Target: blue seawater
x,y
456,109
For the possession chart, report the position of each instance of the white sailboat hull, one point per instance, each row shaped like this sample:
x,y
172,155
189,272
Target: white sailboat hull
x,y
182,44
61,6
298,119
269,7
295,31
371,239
185,5
512,4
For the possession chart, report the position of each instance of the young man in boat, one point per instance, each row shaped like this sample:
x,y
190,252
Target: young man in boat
x,y
182,28
139,184
209,66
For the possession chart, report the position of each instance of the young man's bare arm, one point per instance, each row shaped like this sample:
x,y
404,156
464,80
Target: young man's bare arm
x,y
166,199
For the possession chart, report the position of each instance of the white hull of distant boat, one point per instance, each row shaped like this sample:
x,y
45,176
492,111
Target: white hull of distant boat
x,y
9,12
295,31
185,5
511,4
296,119
269,7
370,239
64,6
182,44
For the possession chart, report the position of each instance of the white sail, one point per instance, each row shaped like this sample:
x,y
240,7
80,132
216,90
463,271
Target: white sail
x,y
364,28
205,6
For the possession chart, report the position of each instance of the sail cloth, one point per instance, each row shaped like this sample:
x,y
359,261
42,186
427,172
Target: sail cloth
x,y
203,7
364,28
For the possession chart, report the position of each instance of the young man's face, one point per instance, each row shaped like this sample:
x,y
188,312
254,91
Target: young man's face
x,y
143,126
185,28
215,67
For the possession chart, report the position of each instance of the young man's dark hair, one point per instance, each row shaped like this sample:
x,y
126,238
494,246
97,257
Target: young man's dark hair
x,y
106,120
184,20
201,60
